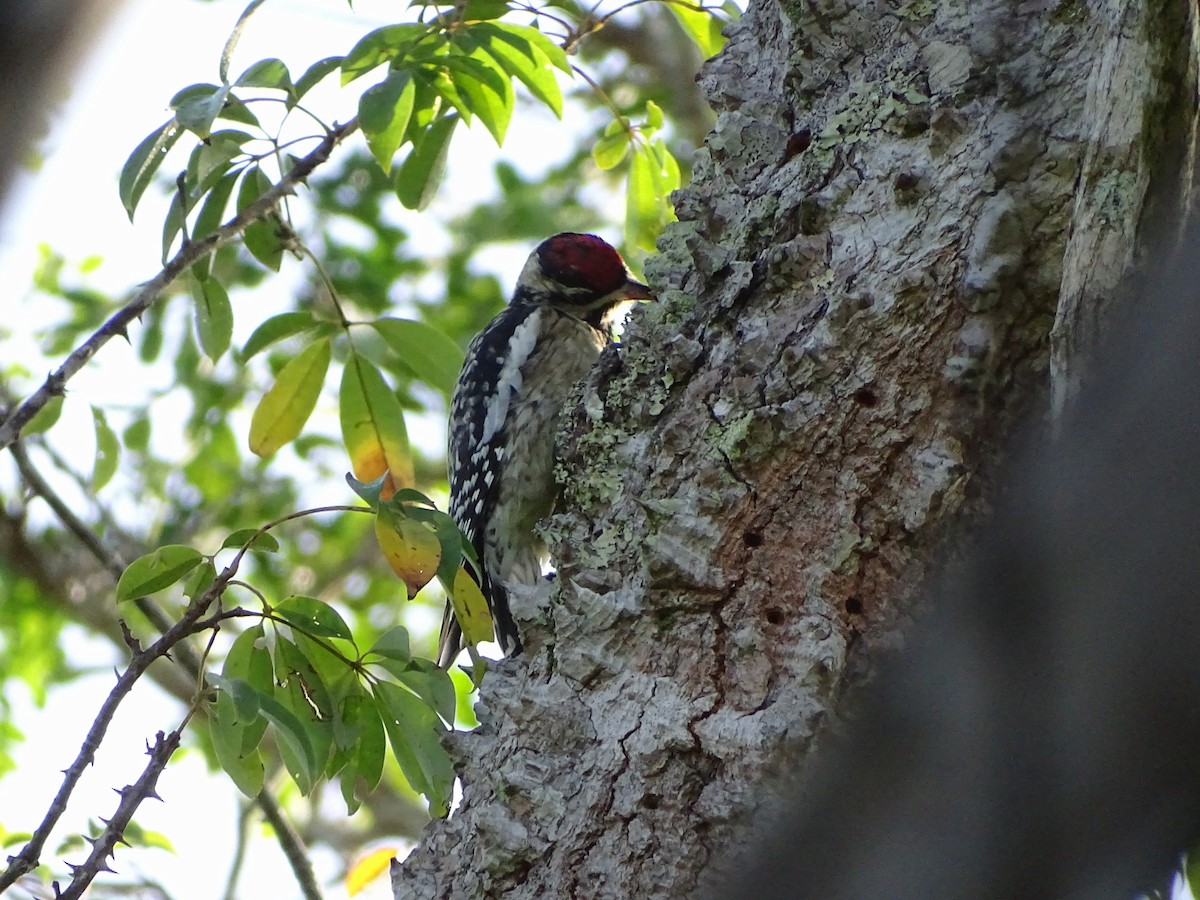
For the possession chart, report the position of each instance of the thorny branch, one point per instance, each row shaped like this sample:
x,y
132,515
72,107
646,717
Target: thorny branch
x,y
290,841
172,634
30,854
131,797
189,253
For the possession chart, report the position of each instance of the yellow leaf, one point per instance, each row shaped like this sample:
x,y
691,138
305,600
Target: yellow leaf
x,y
367,869
373,427
284,409
411,549
471,609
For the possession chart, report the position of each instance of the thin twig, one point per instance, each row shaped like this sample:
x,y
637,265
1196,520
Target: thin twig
x,y
293,849
189,253
107,558
132,796
30,854
239,850
110,525
104,844
172,640
604,98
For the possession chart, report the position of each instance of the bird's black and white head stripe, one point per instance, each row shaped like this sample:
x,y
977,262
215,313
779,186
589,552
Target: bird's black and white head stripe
x,y
577,273
505,409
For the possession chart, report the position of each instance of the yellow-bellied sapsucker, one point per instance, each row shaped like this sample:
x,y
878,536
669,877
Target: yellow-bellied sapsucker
x,y
506,407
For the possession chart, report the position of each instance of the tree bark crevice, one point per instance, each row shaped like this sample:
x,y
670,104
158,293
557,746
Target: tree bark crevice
x,y
854,311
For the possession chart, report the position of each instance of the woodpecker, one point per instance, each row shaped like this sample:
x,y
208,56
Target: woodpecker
x,y
506,406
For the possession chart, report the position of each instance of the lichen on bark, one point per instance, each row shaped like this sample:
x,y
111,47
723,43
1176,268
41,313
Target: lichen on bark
x,y
854,311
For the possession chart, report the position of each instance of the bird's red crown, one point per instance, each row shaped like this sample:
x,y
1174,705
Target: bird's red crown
x,y
582,261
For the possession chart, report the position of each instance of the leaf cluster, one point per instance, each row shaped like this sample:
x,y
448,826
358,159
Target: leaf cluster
x,y
318,676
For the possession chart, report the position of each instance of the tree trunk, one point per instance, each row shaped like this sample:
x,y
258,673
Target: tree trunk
x,y
900,207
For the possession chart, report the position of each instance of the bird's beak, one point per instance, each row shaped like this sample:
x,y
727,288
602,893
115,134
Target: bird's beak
x,y
635,290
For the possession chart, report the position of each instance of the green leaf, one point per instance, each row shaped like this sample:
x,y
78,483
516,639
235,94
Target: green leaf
x,y
264,238
139,169
253,538
670,173
314,617
267,73
554,53
419,175
702,27
136,435
408,496
442,86
43,420
414,730
277,328
1191,871
284,409
654,117
108,451
214,317
433,685
373,428
137,836
328,659
248,658
641,207
157,570
200,580
653,174
243,766
393,644
610,149
209,218
383,113
243,695
432,356
360,716
474,10
304,689
485,89
368,492
520,58
237,111
173,224
453,543
313,75
211,159
464,711
380,46
295,743
197,107
235,35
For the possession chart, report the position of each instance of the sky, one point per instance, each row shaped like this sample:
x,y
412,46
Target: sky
x,y
70,203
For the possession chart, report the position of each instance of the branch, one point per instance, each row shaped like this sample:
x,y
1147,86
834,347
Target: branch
x,y
109,560
191,252
293,847
239,856
28,858
185,656
131,797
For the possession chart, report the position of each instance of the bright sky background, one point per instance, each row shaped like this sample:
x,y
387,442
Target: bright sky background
x,y
151,49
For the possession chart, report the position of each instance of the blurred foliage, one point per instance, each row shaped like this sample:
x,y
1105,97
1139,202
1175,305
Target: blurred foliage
x,y
325,683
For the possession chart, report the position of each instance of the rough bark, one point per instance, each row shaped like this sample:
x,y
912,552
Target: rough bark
x,y
1038,736
856,307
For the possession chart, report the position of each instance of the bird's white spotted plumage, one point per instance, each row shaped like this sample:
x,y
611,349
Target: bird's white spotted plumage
x,y
506,406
